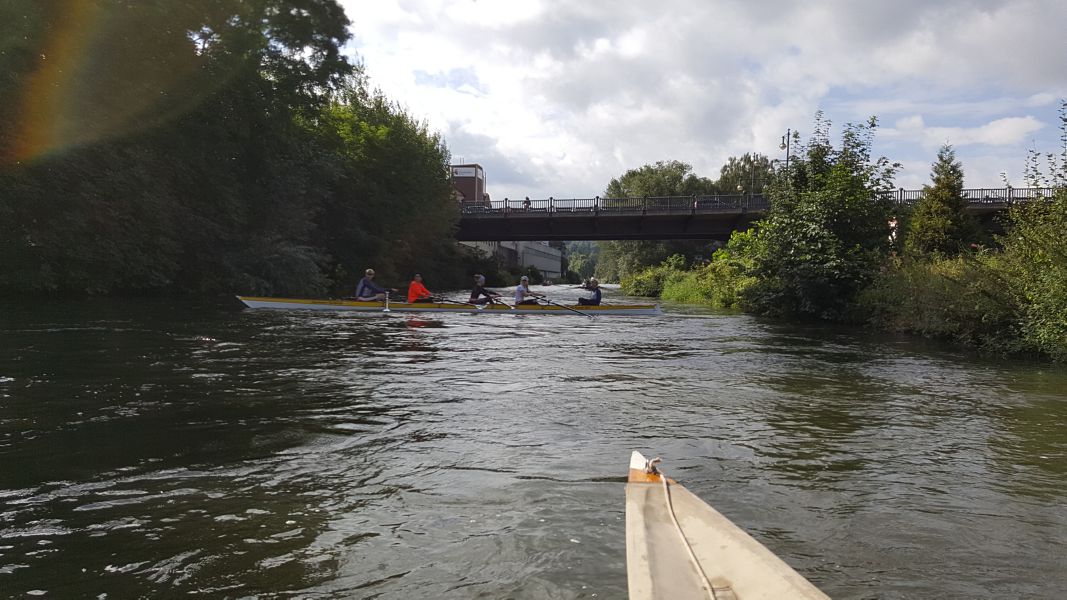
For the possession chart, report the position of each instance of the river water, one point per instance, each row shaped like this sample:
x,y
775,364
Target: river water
x,y
152,449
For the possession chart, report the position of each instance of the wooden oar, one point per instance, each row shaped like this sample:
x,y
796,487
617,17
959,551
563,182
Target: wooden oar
x,y
567,307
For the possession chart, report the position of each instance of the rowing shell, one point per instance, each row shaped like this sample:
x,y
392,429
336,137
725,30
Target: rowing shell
x,y
444,307
677,547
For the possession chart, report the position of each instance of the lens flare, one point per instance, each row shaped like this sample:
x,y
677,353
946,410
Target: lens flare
x,y
96,70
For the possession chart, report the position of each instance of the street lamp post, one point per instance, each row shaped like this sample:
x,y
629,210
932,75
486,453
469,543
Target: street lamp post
x,y
786,139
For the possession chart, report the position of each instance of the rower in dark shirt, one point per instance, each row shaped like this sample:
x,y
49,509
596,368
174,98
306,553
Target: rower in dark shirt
x,y
480,295
594,287
369,291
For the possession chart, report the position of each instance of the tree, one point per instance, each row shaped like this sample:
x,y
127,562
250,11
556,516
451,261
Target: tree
x,y
392,205
619,259
750,172
827,232
939,222
223,145
664,178
1034,258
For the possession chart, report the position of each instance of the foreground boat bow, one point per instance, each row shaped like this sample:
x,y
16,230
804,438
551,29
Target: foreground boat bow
x,y
677,546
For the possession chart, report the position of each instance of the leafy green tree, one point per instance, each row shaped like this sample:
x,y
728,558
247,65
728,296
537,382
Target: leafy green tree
x,y
582,265
226,145
749,172
624,258
392,206
1034,258
664,178
939,222
827,233
580,260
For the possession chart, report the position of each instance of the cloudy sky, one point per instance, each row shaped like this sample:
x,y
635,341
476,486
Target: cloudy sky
x,y
555,98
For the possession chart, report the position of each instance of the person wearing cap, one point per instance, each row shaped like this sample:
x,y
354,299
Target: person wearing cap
x,y
417,292
480,295
592,286
523,295
369,291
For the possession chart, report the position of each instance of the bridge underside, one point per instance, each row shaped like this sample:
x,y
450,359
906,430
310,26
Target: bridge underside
x,y
535,227
656,219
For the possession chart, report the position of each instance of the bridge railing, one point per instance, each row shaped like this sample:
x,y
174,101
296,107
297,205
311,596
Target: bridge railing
x,y
979,196
649,205
718,203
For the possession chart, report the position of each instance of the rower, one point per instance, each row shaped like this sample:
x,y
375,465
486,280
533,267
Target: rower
x,y
417,292
369,291
522,292
480,295
593,286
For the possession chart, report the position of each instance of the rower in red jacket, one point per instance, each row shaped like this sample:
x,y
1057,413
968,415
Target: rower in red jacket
x,y
417,292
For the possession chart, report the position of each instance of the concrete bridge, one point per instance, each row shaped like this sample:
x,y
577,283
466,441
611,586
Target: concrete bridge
x,y
661,218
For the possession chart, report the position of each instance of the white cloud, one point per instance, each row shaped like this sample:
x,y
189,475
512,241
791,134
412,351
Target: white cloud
x,y
1009,131
1041,99
560,97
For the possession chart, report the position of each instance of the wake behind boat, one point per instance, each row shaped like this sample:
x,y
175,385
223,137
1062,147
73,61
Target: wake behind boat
x,y
446,307
679,548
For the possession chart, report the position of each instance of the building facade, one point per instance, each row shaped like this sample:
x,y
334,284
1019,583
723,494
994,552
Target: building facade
x,y
469,182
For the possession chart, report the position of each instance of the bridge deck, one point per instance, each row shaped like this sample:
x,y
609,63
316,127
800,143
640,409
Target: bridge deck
x,y
674,217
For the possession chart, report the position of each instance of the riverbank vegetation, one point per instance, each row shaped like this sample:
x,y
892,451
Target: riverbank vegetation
x,y
833,248
225,147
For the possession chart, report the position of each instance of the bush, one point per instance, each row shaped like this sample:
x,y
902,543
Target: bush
x,y
651,281
722,282
961,299
1014,300
1034,266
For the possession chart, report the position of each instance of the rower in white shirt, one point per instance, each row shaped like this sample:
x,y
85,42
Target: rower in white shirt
x,y
523,295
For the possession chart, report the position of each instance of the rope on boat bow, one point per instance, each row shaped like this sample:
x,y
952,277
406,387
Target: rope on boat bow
x,y
650,468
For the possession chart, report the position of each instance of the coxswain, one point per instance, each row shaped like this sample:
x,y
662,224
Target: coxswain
x,y
523,295
593,286
417,292
480,295
369,291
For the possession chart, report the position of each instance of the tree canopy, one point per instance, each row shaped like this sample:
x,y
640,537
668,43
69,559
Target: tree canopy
x,y
209,146
827,232
620,259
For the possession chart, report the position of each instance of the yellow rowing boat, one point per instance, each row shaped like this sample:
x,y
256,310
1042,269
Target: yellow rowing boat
x,y
446,307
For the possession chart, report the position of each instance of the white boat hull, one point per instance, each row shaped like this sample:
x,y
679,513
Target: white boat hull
x,y
660,566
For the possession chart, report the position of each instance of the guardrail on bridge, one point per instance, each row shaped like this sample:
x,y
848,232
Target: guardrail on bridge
x,y
709,204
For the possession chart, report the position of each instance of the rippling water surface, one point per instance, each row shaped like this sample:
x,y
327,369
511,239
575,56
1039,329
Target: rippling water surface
x,y
152,449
